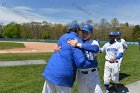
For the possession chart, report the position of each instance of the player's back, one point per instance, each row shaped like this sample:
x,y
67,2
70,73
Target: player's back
x,y
61,65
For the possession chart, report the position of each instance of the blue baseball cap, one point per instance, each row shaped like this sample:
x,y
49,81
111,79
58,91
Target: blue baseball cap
x,y
119,33
113,33
73,25
88,28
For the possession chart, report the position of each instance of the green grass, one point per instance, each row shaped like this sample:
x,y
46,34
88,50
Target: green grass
x,y
21,79
28,79
10,45
25,56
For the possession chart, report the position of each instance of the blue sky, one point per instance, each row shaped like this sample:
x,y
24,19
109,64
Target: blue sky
x,y
64,11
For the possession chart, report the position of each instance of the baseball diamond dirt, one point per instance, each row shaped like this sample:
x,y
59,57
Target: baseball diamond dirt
x,y
31,47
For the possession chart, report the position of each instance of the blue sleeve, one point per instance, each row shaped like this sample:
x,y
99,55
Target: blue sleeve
x,y
79,57
119,56
91,48
59,42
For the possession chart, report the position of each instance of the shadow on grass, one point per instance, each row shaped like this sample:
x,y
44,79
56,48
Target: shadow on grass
x,y
123,75
120,88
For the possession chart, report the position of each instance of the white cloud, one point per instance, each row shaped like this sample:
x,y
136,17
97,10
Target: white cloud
x,y
23,8
126,13
21,14
7,16
50,10
66,15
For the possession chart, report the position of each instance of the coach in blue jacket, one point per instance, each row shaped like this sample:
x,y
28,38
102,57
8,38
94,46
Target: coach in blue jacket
x,y
61,68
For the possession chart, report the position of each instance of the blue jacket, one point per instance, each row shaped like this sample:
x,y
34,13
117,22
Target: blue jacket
x,y
62,66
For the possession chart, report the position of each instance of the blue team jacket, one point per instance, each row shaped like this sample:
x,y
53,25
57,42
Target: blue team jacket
x,y
62,66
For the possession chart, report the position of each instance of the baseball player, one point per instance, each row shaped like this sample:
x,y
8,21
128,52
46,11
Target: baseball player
x,y
114,51
88,79
123,42
61,68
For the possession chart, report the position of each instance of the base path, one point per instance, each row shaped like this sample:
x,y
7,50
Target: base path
x,y
24,62
31,47
134,87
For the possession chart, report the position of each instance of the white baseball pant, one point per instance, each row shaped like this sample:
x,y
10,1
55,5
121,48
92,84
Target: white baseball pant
x,y
120,62
89,83
111,71
51,88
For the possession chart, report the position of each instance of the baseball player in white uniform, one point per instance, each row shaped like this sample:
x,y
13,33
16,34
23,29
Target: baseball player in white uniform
x,y
114,51
124,44
88,79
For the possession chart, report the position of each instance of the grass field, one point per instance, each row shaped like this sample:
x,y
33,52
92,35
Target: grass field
x,y
28,79
25,56
10,45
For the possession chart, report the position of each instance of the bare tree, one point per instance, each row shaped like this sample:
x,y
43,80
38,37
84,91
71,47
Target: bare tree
x,y
115,24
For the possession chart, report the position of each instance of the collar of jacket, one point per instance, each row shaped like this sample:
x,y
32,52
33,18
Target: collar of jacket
x,y
73,33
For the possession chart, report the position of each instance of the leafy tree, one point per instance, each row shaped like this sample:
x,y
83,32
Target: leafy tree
x,y
25,31
46,35
11,30
136,32
1,30
45,30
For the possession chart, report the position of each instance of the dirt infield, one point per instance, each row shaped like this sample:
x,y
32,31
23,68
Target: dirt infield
x,y
31,47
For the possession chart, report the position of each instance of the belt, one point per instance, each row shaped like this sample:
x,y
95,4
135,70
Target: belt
x,y
111,61
87,72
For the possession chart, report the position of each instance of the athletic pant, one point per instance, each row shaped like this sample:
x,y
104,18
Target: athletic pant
x,y
111,71
120,62
89,83
51,88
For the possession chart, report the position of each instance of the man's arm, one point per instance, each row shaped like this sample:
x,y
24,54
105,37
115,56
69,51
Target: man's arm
x,y
102,49
119,55
80,59
120,52
91,48
88,47
57,48
124,43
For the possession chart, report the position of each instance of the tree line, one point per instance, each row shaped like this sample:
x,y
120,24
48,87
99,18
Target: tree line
x,y
45,30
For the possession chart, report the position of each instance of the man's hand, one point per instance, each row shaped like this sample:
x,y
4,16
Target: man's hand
x,y
72,42
112,60
57,48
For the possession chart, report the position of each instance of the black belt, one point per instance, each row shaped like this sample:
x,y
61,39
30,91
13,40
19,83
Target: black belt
x,y
87,72
111,61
